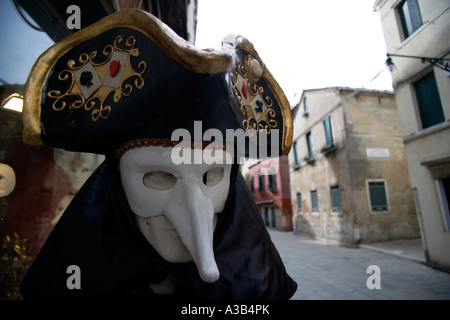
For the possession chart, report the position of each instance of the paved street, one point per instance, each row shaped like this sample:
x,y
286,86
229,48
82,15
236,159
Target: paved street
x,y
326,271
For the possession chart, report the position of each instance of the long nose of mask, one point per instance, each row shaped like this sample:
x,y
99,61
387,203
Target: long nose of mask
x,y
193,218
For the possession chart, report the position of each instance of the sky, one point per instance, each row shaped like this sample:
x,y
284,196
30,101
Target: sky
x,y
305,44
21,45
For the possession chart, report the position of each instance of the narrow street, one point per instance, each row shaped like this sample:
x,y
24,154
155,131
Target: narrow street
x,y
327,271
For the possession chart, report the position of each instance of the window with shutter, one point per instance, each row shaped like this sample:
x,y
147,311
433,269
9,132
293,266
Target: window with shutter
x,y
429,101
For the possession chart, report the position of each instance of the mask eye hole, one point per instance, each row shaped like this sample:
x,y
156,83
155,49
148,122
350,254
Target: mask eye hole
x,y
213,176
159,180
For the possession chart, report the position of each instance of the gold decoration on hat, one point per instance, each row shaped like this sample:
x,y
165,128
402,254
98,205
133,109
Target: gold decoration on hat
x,y
94,98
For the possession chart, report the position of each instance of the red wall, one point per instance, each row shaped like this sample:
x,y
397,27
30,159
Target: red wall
x,y
281,196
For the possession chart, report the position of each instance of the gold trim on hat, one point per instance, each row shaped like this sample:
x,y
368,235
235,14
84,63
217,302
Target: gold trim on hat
x,y
264,122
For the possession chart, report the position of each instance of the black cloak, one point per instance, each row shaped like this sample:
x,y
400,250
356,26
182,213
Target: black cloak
x,y
98,233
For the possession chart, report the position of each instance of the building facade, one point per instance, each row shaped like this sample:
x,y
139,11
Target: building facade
x,y
269,183
348,174
414,29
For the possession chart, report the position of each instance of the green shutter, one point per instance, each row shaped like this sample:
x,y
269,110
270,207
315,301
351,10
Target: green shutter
x,y
314,203
410,16
429,101
299,202
296,154
378,198
261,183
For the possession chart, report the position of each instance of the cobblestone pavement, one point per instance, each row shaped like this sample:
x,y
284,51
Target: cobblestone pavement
x,y
327,271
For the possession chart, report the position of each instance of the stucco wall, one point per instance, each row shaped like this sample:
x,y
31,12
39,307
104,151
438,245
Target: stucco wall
x,y
363,120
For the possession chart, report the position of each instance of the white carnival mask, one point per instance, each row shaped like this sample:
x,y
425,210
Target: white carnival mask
x,y
176,205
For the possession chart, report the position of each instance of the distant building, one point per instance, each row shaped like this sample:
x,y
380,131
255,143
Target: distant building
x,y
269,183
348,173
421,28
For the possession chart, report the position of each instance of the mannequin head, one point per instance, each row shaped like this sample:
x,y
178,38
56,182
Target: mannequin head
x,y
61,207
176,205
79,170
77,165
7,180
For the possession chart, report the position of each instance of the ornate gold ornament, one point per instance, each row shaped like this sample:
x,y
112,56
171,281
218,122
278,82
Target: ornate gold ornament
x,y
14,256
255,106
91,83
252,71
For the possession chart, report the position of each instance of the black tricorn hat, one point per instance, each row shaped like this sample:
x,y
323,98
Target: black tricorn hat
x,y
130,78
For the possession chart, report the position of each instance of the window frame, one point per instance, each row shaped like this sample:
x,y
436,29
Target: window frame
x,y
261,182
305,107
309,145
335,187
329,143
272,182
299,203
423,107
386,195
295,148
314,201
266,216
408,29
444,202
